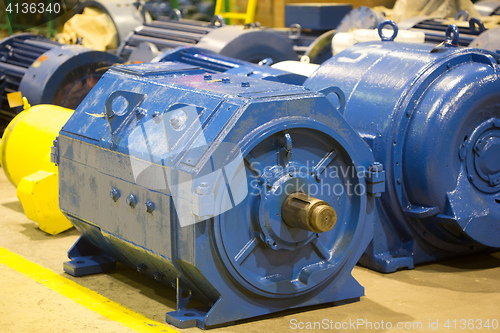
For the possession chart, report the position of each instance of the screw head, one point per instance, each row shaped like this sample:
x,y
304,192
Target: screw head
x,y
114,194
131,200
150,206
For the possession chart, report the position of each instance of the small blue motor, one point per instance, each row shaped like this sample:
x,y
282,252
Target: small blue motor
x,y
432,117
250,195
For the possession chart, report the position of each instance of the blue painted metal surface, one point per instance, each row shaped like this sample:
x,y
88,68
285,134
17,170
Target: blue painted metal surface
x,y
213,62
432,117
182,175
47,72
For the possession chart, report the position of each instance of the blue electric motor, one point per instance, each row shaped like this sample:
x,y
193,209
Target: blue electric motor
x,y
250,195
432,117
47,72
213,62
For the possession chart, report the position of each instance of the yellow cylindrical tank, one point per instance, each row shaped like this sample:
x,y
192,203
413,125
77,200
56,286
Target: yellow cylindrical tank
x,y
25,156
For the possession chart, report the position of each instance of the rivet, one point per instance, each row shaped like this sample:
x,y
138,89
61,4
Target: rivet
x,y
131,200
114,194
150,206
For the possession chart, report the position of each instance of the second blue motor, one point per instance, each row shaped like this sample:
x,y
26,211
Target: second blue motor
x,y
432,117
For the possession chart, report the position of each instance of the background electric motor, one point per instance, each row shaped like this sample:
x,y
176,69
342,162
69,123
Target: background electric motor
x,y
126,15
432,117
46,72
250,195
213,62
248,42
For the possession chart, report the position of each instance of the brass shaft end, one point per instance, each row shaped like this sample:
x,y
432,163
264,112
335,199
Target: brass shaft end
x,y
308,213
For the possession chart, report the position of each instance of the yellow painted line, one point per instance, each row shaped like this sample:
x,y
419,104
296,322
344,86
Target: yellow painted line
x,y
84,296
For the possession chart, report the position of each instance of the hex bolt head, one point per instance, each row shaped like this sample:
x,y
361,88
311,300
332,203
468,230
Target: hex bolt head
x,y
114,194
131,200
150,206
203,189
271,243
245,84
376,167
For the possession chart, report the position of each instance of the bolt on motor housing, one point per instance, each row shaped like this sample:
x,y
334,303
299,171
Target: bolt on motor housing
x,y
432,117
183,175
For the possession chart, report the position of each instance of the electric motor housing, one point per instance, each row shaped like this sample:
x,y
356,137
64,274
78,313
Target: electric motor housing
x,y
46,72
213,62
432,117
248,42
219,185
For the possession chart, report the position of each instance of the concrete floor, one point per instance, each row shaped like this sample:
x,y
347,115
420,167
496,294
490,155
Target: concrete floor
x,y
461,289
